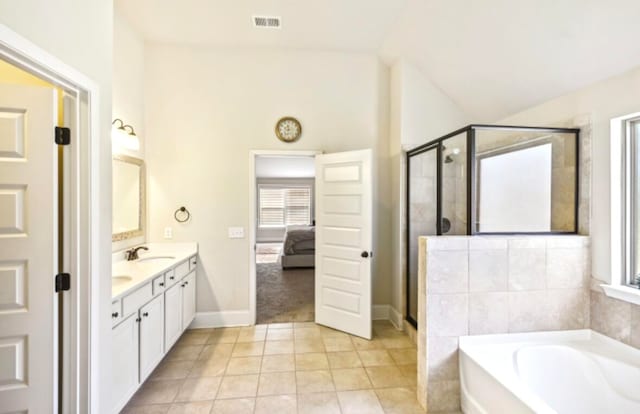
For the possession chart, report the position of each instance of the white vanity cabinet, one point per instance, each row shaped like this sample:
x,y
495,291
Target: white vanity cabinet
x,y
188,299
172,315
124,366
147,321
151,335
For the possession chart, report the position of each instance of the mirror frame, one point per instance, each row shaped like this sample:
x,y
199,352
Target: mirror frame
x,y
125,235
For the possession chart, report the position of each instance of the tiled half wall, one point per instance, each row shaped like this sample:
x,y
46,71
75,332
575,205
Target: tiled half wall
x,y
489,285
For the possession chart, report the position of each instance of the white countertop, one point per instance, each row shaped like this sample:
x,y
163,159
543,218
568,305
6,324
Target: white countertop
x,y
142,272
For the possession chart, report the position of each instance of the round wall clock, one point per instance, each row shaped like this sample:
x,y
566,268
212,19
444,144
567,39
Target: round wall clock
x,y
288,129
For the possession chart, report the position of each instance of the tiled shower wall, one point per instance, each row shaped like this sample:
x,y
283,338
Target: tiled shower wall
x,y
489,285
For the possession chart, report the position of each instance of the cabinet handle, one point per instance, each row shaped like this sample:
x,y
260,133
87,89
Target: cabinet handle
x,y
145,314
114,315
161,283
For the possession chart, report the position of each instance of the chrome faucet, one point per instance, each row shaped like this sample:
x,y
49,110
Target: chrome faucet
x,y
132,254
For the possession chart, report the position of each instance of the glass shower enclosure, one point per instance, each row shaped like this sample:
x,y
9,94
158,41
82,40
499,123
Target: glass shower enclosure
x,y
489,179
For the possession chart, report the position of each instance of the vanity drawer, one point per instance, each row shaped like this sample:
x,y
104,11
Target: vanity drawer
x,y
182,270
170,278
158,284
134,301
193,262
116,312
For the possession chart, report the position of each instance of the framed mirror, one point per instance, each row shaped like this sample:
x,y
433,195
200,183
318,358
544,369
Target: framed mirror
x,y
128,210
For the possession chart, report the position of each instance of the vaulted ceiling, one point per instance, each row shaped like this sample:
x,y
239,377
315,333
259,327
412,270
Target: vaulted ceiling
x,y
492,57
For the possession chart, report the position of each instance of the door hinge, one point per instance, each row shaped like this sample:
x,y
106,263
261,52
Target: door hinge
x,y
63,136
63,282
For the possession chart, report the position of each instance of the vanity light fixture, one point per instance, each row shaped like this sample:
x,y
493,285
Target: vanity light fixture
x,y
124,136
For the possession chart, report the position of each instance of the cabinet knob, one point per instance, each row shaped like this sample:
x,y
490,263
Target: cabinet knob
x,y
145,314
138,319
161,283
114,315
171,277
186,283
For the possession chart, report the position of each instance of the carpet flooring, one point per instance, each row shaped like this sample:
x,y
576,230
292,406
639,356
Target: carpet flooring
x,y
284,295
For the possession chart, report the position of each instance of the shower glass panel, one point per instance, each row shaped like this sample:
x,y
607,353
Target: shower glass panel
x,y
525,181
422,216
454,185
490,179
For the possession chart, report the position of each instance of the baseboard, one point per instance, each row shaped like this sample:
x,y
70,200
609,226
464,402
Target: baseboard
x,y
395,318
221,319
380,312
387,313
242,318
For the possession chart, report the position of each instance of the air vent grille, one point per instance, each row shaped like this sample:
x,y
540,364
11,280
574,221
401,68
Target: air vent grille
x,y
267,22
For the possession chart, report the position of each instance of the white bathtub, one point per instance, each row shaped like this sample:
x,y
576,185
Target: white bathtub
x,y
548,372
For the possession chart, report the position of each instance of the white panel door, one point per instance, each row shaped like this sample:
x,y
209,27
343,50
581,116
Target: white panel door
x,y
151,336
28,252
344,241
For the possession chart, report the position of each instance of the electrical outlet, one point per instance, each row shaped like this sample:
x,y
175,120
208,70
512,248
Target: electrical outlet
x,y
236,232
168,233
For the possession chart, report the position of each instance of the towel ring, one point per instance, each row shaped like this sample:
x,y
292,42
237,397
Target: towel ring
x,y
185,214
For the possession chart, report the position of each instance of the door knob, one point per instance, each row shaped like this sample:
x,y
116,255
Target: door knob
x,y
364,254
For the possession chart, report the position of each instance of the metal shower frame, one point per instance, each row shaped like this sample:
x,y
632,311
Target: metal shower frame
x,y
471,182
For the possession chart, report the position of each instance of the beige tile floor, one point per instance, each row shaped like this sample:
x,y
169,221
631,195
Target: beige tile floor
x,y
283,368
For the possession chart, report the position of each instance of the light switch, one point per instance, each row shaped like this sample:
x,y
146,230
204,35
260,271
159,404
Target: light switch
x,y
168,233
236,232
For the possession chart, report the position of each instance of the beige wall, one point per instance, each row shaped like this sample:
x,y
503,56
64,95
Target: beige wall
x,y
600,102
128,92
206,109
420,112
79,34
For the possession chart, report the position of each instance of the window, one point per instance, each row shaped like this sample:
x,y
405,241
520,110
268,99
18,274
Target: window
x,y
631,214
282,206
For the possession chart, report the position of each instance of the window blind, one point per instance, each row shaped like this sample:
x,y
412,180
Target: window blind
x,y
281,206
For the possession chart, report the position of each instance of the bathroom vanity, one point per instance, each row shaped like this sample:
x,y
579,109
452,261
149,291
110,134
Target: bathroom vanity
x,y
153,303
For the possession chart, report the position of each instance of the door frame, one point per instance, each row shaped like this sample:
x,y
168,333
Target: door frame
x,y
84,334
253,198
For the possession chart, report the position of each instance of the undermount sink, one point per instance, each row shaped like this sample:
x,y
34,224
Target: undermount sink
x,y
119,280
155,258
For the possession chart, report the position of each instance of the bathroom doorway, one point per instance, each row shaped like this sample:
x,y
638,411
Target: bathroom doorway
x,y
284,238
48,137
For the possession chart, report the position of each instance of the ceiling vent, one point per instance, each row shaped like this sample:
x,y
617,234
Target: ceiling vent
x,y
267,22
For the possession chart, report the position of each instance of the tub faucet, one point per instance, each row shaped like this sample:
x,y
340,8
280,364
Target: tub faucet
x,y
132,254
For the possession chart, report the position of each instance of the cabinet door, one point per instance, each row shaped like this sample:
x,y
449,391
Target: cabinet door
x,y
172,315
151,336
124,361
188,299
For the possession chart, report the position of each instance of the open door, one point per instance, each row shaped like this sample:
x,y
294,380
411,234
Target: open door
x,y
28,249
344,241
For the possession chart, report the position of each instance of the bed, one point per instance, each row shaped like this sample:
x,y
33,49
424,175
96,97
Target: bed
x,y
299,247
